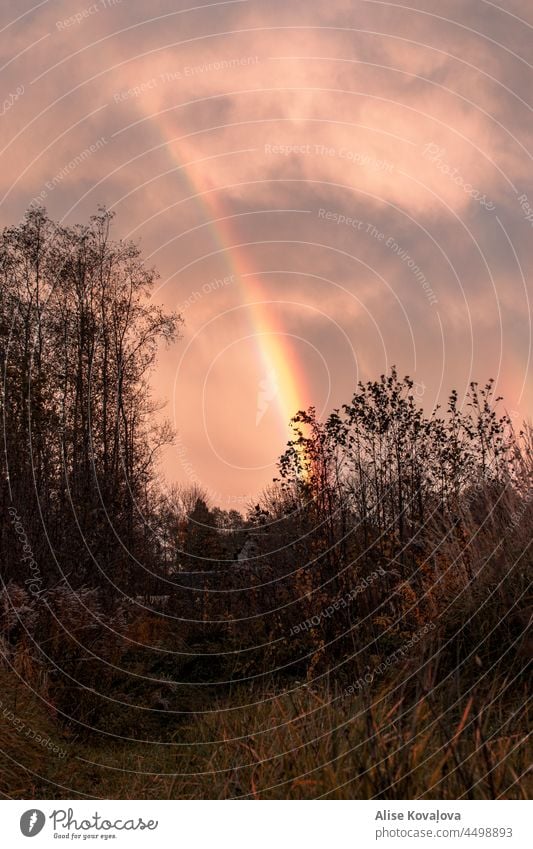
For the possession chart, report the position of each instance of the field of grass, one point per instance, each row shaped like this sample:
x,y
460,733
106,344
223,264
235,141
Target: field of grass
x,y
443,722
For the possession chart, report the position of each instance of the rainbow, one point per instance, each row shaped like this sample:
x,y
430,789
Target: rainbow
x,y
285,382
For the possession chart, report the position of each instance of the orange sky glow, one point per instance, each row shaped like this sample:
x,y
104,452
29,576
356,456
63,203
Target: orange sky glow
x,y
326,189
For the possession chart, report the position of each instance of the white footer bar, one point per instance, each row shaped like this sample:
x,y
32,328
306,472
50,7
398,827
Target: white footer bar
x,y
270,825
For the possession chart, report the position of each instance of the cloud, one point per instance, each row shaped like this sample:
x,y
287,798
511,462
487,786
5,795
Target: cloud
x,y
228,129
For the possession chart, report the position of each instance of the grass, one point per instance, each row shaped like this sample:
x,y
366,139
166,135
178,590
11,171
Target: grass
x,y
401,740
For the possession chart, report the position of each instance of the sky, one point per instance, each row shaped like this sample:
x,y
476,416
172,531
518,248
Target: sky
x,y
326,190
